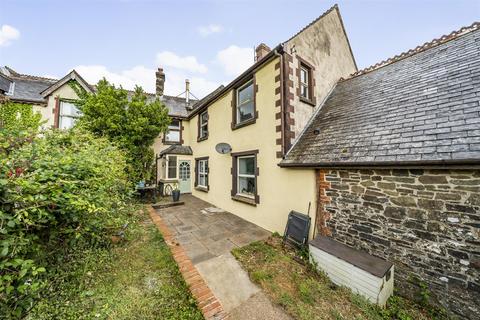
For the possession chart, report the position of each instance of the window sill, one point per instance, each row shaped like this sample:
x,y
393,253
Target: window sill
x,y
244,123
203,189
308,101
203,138
246,200
172,142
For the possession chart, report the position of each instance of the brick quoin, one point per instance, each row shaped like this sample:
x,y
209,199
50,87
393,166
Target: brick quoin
x,y
207,302
322,215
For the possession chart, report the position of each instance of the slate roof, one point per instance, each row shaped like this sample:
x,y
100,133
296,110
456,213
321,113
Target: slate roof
x,y
27,88
30,88
4,83
177,149
421,108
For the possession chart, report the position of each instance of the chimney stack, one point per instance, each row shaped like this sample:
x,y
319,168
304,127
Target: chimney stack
x,y
160,83
261,51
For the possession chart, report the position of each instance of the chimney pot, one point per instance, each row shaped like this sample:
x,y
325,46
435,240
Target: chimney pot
x,y
160,83
261,51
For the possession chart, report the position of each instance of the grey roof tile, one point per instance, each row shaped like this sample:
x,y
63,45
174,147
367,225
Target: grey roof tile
x,y
421,108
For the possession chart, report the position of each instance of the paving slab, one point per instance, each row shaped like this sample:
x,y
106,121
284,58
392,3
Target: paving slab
x,y
228,281
258,307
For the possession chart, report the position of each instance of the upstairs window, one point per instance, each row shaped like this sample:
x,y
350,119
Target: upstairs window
x,y
68,115
245,104
173,134
305,81
203,126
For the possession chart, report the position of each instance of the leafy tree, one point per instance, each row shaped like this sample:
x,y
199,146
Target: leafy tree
x,y
127,118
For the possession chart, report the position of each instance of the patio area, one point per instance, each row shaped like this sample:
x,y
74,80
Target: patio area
x,y
208,234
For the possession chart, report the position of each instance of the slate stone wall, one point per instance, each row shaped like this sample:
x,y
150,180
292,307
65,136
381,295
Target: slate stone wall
x,y
427,222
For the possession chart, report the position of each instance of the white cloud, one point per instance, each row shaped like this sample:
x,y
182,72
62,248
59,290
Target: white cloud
x,y
138,75
205,31
145,77
8,34
235,59
188,63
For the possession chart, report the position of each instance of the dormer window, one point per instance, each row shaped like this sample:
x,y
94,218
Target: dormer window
x,y
245,103
173,134
202,126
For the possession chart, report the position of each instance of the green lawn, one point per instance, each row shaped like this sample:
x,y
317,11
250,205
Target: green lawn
x,y
308,295
137,279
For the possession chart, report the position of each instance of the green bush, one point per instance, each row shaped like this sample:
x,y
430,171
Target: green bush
x,y
58,191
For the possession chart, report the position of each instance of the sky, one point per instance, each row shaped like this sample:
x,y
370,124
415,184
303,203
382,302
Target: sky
x,y
209,42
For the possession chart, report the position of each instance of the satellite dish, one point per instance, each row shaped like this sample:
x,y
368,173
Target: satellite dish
x,y
223,148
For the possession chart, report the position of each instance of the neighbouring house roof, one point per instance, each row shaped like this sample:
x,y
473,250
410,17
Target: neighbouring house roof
x,y
177,106
27,88
35,89
4,83
177,149
72,75
420,107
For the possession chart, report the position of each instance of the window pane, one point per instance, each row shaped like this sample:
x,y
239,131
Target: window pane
x,y
246,165
303,76
66,122
245,94
246,186
173,136
172,167
68,109
304,91
201,180
245,112
175,124
203,118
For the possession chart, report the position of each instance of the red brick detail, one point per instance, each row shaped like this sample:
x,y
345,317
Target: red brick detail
x,y
322,215
207,302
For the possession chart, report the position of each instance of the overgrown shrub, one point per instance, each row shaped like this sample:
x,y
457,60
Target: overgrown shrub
x,y
58,191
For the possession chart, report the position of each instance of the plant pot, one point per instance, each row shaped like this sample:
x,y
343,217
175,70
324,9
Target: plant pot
x,y
176,195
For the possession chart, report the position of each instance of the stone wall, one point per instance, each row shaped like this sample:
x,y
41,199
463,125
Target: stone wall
x,y
427,222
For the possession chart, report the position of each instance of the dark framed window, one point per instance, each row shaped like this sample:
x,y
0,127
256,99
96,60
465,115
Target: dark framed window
x,y
201,174
202,126
245,177
243,104
174,133
171,167
306,82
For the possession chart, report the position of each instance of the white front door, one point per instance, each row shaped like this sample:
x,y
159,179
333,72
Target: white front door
x,y
184,176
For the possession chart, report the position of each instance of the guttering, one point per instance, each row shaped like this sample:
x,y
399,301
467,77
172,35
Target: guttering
x,y
434,164
237,80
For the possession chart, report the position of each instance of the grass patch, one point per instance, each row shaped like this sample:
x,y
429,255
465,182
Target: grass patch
x,y
137,279
308,294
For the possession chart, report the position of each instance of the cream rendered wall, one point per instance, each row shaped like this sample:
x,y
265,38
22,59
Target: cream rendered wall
x,y
280,190
64,92
46,114
325,46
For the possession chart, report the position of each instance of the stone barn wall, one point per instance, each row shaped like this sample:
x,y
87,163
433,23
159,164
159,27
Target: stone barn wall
x,y
427,222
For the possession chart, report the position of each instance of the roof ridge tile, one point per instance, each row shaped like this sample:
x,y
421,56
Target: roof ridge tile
x,y
427,45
